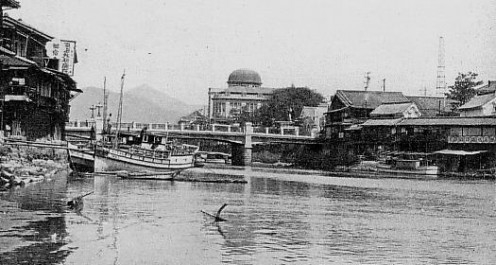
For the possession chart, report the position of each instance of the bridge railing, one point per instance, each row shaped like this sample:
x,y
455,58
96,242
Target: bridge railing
x,y
284,131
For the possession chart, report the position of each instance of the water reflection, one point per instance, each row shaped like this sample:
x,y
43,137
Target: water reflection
x,y
38,223
270,220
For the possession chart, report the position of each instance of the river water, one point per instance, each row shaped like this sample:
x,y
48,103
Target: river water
x,y
273,219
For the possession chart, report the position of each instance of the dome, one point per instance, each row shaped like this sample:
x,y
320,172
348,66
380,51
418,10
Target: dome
x,y
244,77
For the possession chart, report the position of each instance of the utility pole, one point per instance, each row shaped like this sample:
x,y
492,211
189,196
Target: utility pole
x,y
367,80
424,90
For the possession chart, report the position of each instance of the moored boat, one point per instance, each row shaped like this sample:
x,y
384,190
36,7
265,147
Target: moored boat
x,y
125,151
149,175
138,159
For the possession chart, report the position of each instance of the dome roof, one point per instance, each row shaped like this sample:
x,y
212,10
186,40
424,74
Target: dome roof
x,y
244,77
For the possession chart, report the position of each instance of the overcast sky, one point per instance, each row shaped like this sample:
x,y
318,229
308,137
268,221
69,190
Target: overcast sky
x,y
184,47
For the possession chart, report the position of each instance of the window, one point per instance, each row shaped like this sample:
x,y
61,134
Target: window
x,y
472,131
487,131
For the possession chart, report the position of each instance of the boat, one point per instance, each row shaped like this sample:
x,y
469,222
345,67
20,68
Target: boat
x,y
401,164
132,152
81,157
136,158
213,157
149,175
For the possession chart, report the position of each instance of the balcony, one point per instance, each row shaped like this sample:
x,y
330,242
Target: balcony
x,y
19,93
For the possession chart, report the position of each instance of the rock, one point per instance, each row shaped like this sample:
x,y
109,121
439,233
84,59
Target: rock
x,y
7,173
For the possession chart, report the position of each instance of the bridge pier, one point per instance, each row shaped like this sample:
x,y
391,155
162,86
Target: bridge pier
x,y
242,153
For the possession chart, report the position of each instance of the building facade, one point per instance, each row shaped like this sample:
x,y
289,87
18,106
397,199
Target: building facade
x,y
483,103
34,95
243,95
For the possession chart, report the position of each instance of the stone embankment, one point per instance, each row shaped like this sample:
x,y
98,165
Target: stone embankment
x,y
21,165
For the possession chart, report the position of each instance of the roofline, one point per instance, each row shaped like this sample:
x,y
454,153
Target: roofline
x,y
27,27
370,91
10,3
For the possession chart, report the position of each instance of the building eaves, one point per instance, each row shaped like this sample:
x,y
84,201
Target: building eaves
x,y
453,121
10,3
478,101
381,122
26,27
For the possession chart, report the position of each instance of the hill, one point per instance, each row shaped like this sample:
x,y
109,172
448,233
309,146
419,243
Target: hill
x,y
140,104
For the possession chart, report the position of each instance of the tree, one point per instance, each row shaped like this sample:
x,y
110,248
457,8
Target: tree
x,y
286,105
463,89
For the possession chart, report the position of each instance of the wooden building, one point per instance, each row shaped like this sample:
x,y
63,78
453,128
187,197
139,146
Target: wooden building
x,y
34,95
350,108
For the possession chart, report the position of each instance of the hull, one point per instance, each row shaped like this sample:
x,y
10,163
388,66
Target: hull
x,y
150,176
115,160
82,159
432,171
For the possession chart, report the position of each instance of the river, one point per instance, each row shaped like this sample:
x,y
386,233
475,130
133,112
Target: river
x,y
273,219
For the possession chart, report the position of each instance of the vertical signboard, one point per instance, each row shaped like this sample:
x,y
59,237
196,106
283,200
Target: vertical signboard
x,y
65,52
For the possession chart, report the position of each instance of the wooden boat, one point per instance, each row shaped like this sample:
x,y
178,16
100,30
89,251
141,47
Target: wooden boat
x,y
138,159
150,175
81,158
213,157
127,151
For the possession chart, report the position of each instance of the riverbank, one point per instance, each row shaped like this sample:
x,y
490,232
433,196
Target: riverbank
x,y
22,164
344,172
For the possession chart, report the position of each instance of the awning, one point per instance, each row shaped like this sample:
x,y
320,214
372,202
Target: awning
x,y
459,152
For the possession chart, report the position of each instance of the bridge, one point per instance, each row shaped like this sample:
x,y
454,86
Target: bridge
x,y
241,138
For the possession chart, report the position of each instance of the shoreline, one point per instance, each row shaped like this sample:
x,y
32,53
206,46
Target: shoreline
x,y
269,168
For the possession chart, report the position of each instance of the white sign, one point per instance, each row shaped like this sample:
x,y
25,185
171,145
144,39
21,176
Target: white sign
x,y
472,139
65,52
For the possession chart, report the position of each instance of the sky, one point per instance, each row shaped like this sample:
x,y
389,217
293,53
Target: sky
x,y
183,47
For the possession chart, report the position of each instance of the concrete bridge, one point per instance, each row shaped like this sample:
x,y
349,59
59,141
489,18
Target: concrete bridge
x,y
241,138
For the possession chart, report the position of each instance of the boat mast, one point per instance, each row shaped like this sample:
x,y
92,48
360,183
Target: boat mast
x,y
119,113
105,98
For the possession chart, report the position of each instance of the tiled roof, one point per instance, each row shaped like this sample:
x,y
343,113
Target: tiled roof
x,y
453,121
478,101
13,61
391,108
485,88
369,99
21,24
431,106
10,3
381,122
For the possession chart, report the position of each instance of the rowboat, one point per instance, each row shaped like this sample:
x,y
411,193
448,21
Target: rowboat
x,y
149,175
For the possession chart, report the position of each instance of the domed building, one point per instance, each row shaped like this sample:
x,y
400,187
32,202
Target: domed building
x,y
244,77
244,94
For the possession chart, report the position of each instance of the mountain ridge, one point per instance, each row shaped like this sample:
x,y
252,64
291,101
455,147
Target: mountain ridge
x,y
140,104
